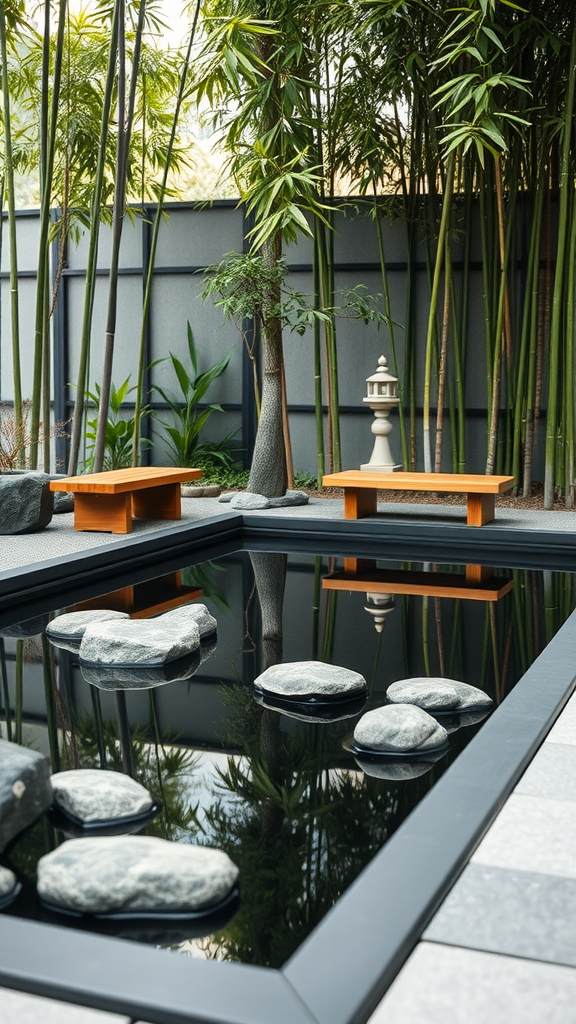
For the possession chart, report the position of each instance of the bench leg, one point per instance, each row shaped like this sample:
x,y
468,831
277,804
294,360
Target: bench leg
x,y
479,573
356,566
158,502
108,513
481,509
359,502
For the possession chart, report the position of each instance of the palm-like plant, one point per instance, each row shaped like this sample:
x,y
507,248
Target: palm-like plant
x,y
184,432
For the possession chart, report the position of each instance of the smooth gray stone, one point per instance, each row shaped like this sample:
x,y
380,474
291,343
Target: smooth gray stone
x,y
90,794
518,913
248,500
452,723
399,728
197,613
134,642
72,625
134,874
26,502
307,679
63,501
8,882
209,491
438,694
228,496
26,629
290,498
25,789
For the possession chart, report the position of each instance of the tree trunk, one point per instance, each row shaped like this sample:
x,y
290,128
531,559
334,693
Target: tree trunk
x,y
268,472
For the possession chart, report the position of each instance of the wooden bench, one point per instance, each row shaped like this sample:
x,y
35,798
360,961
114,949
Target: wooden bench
x,y
360,490
109,501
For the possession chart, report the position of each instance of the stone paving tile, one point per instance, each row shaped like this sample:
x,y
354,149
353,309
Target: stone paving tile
x,y
532,834
519,913
564,729
446,985
21,1008
551,773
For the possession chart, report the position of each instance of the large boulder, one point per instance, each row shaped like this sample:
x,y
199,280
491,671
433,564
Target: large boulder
x,y
310,681
139,642
438,695
90,794
26,502
135,875
399,729
25,789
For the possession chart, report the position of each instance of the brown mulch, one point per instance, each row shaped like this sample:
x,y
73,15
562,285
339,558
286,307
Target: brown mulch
x,y
534,502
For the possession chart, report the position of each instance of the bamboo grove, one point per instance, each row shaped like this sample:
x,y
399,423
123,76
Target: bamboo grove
x,y
457,121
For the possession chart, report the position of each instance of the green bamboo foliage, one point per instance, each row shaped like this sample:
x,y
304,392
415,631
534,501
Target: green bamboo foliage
x,y
9,178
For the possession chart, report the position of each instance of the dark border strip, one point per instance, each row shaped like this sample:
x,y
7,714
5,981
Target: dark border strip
x,y
342,970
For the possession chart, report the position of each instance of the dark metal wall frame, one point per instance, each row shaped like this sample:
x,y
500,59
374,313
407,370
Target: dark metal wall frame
x,y
342,970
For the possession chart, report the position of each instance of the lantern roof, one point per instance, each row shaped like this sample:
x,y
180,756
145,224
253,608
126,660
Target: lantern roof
x,y
382,374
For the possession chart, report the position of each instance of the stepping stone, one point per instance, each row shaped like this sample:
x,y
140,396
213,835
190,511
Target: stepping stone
x,y
66,631
135,876
307,681
25,789
139,642
9,886
94,800
197,613
398,729
118,677
438,695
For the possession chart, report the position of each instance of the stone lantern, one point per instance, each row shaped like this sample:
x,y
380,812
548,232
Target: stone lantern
x,y
381,398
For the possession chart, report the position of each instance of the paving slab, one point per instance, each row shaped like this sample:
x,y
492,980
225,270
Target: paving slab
x,y
446,985
21,1008
532,834
551,773
564,730
519,913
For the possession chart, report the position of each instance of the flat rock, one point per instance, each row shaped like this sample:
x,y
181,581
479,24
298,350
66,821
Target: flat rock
x,y
311,680
72,625
134,875
197,613
26,502
438,694
8,883
139,642
290,498
63,500
227,497
248,500
89,794
399,729
25,789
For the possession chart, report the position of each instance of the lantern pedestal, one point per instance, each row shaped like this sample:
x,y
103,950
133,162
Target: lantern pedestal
x,y
382,399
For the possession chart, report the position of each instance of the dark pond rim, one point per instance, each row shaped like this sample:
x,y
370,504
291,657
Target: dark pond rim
x,y
331,979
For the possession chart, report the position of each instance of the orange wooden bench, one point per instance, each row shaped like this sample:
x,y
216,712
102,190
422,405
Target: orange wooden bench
x,y
360,490
109,501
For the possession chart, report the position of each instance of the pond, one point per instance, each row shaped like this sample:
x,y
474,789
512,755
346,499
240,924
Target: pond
x,y
283,796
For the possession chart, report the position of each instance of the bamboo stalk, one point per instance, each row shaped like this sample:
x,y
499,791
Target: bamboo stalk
x,y
11,202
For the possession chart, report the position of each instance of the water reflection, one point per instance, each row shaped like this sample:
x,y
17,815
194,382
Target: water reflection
x,y
294,809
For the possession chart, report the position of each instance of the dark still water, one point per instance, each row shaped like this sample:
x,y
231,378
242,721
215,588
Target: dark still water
x,y
282,796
